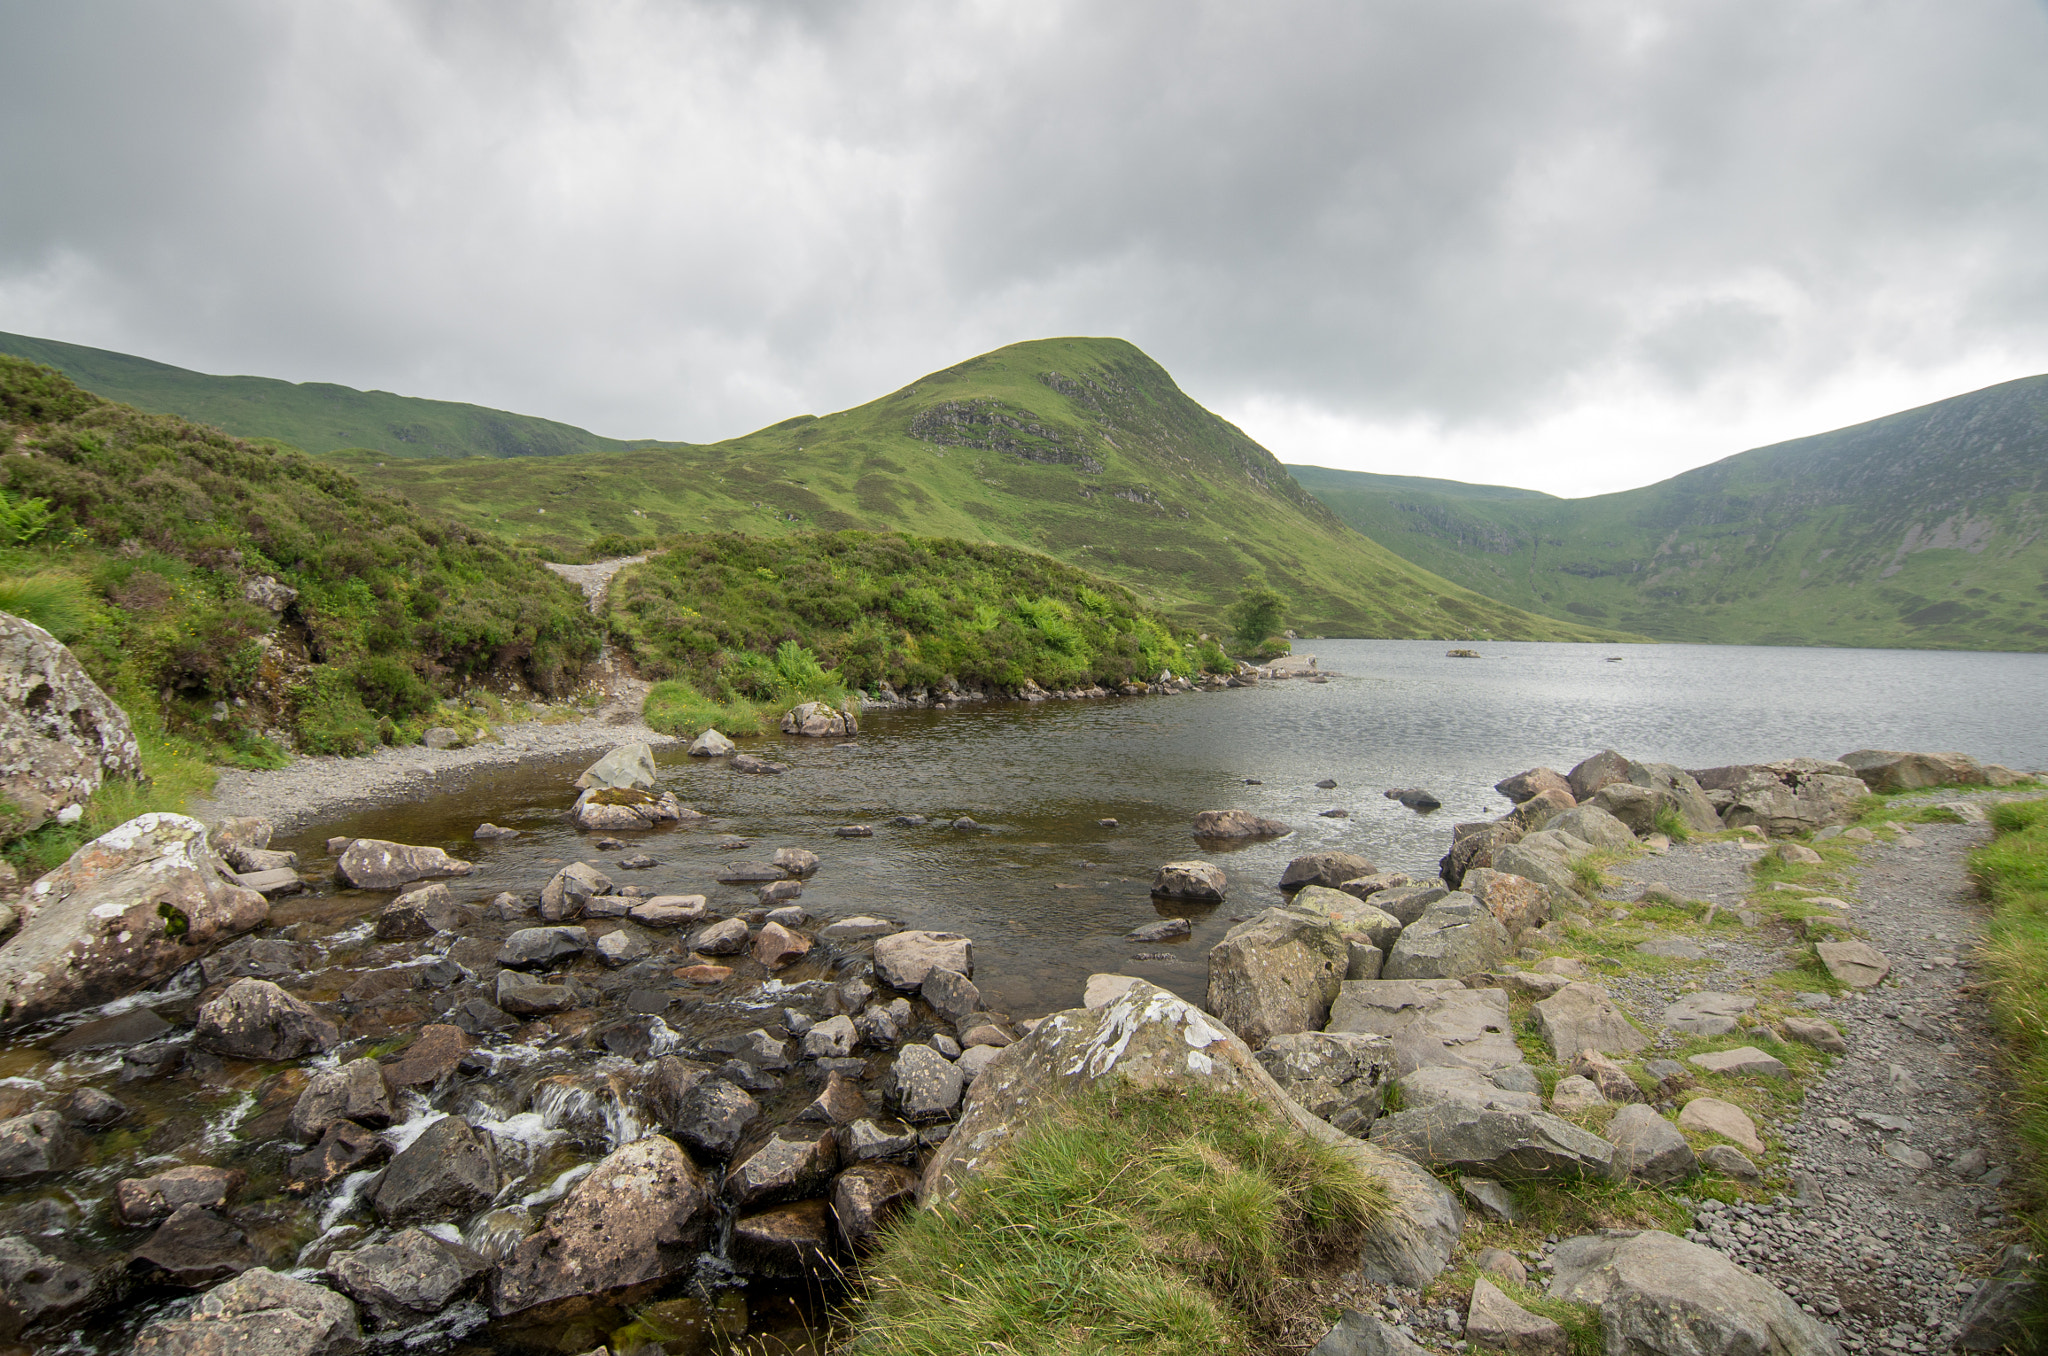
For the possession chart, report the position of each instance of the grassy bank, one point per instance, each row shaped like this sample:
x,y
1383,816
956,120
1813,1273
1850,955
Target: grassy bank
x,y
142,541
721,613
1160,1222
2012,871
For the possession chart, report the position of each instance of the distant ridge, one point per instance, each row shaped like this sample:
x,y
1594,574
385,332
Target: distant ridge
x,y
1923,529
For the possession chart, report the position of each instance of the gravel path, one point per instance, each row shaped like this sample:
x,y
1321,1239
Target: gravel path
x,y
595,578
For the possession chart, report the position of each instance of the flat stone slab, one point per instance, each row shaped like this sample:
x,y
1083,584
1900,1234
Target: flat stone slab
x,y
1581,1016
1708,1013
1725,1119
1748,1060
1856,964
1430,1021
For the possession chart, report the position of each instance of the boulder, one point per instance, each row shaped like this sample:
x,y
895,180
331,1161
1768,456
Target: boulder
x,y
1518,902
903,959
1539,862
1575,1093
255,1019
1190,880
784,1241
776,946
1498,1323
1602,769
817,720
1649,1148
1355,918
34,1144
1237,824
128,908
712,1115
1152,1038
38,1289
421,913
1357,1334
1591,824
540,948
2000,1313
434,1054
406,1277
628,767
1414,798
1327,869
1276,972
641,1215
1636,807
797,863
258,1313
373,864
1892,770
1468,1087
60,736
191,1250
243,840
747,762
1476,844
1613,1081
1502,1146
1524,785
950,994
727,938
866,1197
450,1171
1729,1161
668,911
354,1092
833,1038
1658,1293
344,1148
1103,989
1716,1117
1792,796
615,809
1365,887
1582,1017
570,890
711,744
1708,1013
1430,1022
928,1085
795,1163
1857,964
1456,936
1339,1077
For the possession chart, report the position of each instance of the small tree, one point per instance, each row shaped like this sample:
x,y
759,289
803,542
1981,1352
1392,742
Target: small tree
x,y
1256,614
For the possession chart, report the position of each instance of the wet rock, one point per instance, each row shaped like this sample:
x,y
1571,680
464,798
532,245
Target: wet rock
x,y
540,948
36,1288
605,809
950,994
833,1038
927,1085
747,762
868,1140
1339,1077
640,1216
728,938
1716,1117
422,913
93,1109
758,1047
373,864
449,1171
712,1116
1414,797
619,948
1658,1293
569,890
1507,1146
799,863
1190,880
794,1163
1327,869
145,1200
866,1197
354,1092
1857,964
133,1027
255,1019
1276,972
776,946
668,911
840,1102
522,995
1747,1061
191,1250
1238,824
433,1055
628,767
1649,1148
128,908
344,1147
489,832
1582,1017
481,1017
36,1143
258,1313
711,744
784,1241
1456,936
903,959
407,1277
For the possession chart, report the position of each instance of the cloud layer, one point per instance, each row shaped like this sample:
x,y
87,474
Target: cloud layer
x,y
1573,245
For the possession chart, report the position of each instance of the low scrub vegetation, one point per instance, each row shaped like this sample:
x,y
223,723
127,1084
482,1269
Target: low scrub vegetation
x,y
142,541
771,619
1169,1221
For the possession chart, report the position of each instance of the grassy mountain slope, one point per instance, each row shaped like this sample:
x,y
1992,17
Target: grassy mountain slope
x,y
1924,529
143,542
315,416
1082,449
1323,481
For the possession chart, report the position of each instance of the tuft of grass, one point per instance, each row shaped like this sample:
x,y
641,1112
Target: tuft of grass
x,y
1161,1221
1673,825
59,603
676,707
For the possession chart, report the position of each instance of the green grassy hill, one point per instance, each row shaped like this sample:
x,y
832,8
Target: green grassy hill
x,y
315,416
1923,529
1081,449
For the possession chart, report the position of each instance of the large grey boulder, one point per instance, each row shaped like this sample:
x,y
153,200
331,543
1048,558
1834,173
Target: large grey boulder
x,y
258,1313
903,959
1502,1146
1893,770
1456,936
612,809
1149,1038
1337,1076
37,1288
1595,826
354,1092
1430,1022
374,864
128,908
628,767
1649,1148
1518,902
406,1277
1190,880
1791,796
818,720
1327,869
1276,972
1581,1016
641,1215
1406,903
1526,785
448,1172
1539,863
1476,844
60,736
1659,1295
34,1144
1357,919
1467,1087
1602,769
255,1019
569,891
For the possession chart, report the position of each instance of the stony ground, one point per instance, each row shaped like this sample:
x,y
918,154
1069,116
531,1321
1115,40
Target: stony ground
x,y
1882,1203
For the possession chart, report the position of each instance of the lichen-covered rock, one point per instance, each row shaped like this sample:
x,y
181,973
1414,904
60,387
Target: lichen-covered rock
x,y
1190,880
34,1144
1431,1022
36,1288
255,1019
615,808
1791,796
373,864
145,1200
1237,824
1456,936
406,1277
817,720
1150,1038
128,908
640,1216
354,1092
1659,1295
259,1313
628,767
60,736
1517,902
1276,972
1339,1077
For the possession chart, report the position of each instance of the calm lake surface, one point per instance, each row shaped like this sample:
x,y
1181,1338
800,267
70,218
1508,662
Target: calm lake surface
x,y
1048,896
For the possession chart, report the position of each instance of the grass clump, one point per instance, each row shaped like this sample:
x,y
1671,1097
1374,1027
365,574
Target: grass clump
x,y
1164,1221
2012,871
675,707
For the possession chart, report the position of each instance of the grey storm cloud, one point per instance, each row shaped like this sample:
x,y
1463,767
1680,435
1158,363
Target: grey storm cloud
x,y
687,220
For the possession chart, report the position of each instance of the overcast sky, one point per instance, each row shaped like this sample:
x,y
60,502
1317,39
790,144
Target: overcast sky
x,y
1573,246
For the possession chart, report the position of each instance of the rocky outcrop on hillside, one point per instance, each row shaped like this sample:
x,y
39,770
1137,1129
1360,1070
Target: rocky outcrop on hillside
x,y
60,735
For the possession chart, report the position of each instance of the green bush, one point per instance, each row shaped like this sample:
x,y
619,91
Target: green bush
x,y
1258,613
